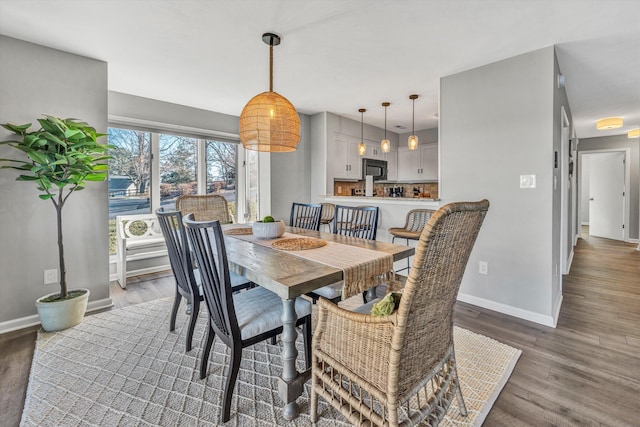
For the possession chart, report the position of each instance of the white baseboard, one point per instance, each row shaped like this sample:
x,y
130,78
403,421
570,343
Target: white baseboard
x,y
570,261
556,309
33,320
511,311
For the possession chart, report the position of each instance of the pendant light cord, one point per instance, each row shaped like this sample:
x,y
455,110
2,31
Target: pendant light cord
x,y
271,66
385,122
361,126
413,117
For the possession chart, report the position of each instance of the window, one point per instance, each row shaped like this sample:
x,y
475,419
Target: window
x,y
178,168
148,170
222,160
252,193
129,176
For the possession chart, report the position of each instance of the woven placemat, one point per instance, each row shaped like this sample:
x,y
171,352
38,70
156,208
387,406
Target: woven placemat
x,y
238,231
298,244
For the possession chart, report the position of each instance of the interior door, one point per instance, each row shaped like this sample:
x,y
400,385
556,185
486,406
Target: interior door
x,y
606,195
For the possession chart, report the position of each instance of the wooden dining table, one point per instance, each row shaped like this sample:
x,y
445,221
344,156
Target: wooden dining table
x,y
290,276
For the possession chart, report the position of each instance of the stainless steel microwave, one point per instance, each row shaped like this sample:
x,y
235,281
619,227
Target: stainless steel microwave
x,y
374,167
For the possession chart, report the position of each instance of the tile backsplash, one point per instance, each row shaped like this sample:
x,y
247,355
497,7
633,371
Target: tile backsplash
x,y
345,188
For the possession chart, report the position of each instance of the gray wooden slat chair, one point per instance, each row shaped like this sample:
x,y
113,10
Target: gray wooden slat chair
x,y
188,281
361,221
305,215
238,320
377,370
415,222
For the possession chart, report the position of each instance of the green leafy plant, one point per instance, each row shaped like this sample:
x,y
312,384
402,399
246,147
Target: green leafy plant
x,y
61,157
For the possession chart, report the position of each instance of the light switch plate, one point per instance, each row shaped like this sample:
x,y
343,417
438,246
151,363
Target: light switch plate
x,y
527,181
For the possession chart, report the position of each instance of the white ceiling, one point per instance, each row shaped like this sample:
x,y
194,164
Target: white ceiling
x,y
339,55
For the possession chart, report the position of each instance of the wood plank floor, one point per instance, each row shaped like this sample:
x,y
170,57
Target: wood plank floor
x,y
585,372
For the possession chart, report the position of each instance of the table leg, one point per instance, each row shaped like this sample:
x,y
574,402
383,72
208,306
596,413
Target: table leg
x,y
289,389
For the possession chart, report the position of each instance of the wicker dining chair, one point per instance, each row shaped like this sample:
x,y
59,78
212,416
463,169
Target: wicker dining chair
x,y
188,280
399,370
326,216
205,207
238,320
414,223
305,215
361,221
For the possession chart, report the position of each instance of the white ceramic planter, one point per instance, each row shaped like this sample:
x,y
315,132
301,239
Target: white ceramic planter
x,y
268,230
55,316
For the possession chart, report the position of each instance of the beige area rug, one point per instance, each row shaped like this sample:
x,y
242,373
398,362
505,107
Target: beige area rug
x,y
124,368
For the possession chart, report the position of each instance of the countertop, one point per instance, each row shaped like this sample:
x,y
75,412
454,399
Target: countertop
x,y
383,200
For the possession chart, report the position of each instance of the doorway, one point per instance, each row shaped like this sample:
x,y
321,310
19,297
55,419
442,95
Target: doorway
x,y
603,200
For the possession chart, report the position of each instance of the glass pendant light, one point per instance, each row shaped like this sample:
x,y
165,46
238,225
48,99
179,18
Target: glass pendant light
x,y
362,149
385,145
413,139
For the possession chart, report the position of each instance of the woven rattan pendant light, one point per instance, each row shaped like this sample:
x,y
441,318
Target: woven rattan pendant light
x,y
413,139
362,148
269,122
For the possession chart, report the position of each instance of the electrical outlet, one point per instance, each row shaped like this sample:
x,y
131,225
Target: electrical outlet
x,y
483,267
51,276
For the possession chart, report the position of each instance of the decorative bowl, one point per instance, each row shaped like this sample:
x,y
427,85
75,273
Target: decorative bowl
x,y
268,230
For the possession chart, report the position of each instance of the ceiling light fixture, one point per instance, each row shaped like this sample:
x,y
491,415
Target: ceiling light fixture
x,y
609,123
634,133
361,147
413,139
269,122
385,145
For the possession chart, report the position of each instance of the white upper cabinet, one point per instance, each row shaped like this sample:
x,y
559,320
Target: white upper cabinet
x,y
343,161
374,151
418,165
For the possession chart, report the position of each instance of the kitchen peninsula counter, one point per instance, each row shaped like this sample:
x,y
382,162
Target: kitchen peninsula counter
x,y
392,210
422,202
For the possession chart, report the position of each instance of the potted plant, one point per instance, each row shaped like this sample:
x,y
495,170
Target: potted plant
x,y
61,157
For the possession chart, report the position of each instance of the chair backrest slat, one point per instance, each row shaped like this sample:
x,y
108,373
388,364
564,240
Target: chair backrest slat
x,y
305,215
208,246
179,253
361,221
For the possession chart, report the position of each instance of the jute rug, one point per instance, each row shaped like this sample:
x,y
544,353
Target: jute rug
x,y
124,368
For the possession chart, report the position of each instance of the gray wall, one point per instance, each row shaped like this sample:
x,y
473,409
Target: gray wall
x,y
496,123
127,106
561,175
36,80
621,141
291,174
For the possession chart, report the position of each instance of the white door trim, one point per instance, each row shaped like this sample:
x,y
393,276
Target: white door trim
x,y
627,183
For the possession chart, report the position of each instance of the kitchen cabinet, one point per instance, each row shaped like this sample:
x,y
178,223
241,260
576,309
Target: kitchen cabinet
x,y
343,160
392,164
374,152
418,165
